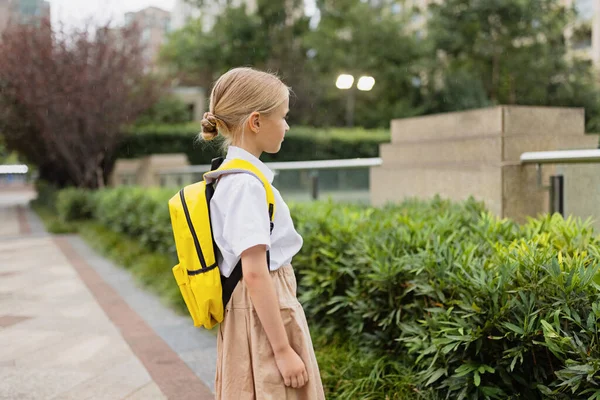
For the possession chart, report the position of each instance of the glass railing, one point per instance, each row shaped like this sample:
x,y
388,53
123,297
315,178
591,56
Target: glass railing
x,y
339,180
338,184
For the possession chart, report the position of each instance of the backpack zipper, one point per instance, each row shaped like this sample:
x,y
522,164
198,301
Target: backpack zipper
x,y
191,226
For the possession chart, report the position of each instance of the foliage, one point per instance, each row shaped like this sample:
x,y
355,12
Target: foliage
x,y
139,213
269,38
485,308
277,37
346,42
198,57
301,143
74,204
65,96
515,51
456,55
46,195
348,372
167,110
7,157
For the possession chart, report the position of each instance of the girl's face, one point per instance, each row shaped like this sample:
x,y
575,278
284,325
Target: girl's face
x,y
273,129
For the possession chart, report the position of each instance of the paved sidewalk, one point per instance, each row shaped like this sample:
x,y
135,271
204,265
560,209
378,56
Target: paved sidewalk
x,y
74,326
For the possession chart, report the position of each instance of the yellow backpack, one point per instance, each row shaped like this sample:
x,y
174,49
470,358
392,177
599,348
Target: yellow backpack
x,y
204,290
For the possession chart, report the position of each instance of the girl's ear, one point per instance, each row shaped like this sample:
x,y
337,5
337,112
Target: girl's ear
x,y
254,122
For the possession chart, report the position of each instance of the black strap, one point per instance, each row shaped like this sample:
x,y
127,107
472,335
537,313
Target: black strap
x,y
216,163
228,284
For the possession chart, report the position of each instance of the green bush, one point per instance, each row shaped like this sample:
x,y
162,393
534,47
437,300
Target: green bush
x,y
46,195
139,213
350,373
436,298
484,308
301,143
74,204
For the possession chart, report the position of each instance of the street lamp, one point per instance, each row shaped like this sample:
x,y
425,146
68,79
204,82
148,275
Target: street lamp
x,y
346,82
365,83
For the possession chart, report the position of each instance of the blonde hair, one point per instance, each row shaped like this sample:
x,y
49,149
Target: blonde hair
x,y
237,94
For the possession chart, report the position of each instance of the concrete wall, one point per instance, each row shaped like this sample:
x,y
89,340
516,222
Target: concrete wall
x,y
476,153
145,171
582,191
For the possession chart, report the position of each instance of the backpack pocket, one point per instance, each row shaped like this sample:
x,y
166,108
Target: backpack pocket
x,y
206,289
202,294
185,287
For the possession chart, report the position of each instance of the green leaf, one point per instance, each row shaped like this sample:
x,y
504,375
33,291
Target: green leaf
x,y
476,379
514,328
493,392
437,374
464,370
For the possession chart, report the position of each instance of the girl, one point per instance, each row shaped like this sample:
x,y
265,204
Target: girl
x,y
264,348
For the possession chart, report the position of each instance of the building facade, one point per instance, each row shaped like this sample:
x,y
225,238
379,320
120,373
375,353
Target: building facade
x,y
584,35
22,11
154,24
208,13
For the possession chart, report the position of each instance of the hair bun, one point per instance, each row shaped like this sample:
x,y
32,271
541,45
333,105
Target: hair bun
x,y
209,126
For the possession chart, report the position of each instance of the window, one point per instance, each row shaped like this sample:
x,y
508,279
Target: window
x,y
146,35
585,9
582,37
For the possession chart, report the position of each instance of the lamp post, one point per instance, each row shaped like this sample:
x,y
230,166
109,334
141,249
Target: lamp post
x,y
346,82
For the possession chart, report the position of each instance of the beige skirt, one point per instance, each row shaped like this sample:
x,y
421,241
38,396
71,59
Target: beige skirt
x,y
246,367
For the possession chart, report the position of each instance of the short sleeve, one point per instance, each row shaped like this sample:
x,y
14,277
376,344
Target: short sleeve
x,y
241,199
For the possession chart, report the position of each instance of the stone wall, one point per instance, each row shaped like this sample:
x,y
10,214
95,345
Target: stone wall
x,y
145,171
476,153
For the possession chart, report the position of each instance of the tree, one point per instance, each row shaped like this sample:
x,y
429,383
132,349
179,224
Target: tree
x,y
285,27
167,110
361,38
65,97
198,58
271,38
6,157
515,50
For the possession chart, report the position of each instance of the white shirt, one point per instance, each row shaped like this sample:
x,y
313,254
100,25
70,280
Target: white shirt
x,y
240,217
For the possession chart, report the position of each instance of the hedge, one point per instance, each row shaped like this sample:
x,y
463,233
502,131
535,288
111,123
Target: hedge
x,y
300,144
469,306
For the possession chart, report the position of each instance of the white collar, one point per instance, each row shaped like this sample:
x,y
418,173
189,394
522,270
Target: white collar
x,y
237,152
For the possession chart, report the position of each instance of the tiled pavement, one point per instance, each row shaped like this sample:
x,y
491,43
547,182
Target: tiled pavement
x,y
75,326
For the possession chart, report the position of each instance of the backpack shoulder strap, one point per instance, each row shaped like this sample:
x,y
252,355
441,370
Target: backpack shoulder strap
x,y
237,166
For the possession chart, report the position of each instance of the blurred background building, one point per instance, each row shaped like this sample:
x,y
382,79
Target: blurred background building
x,y
154,24
22,11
